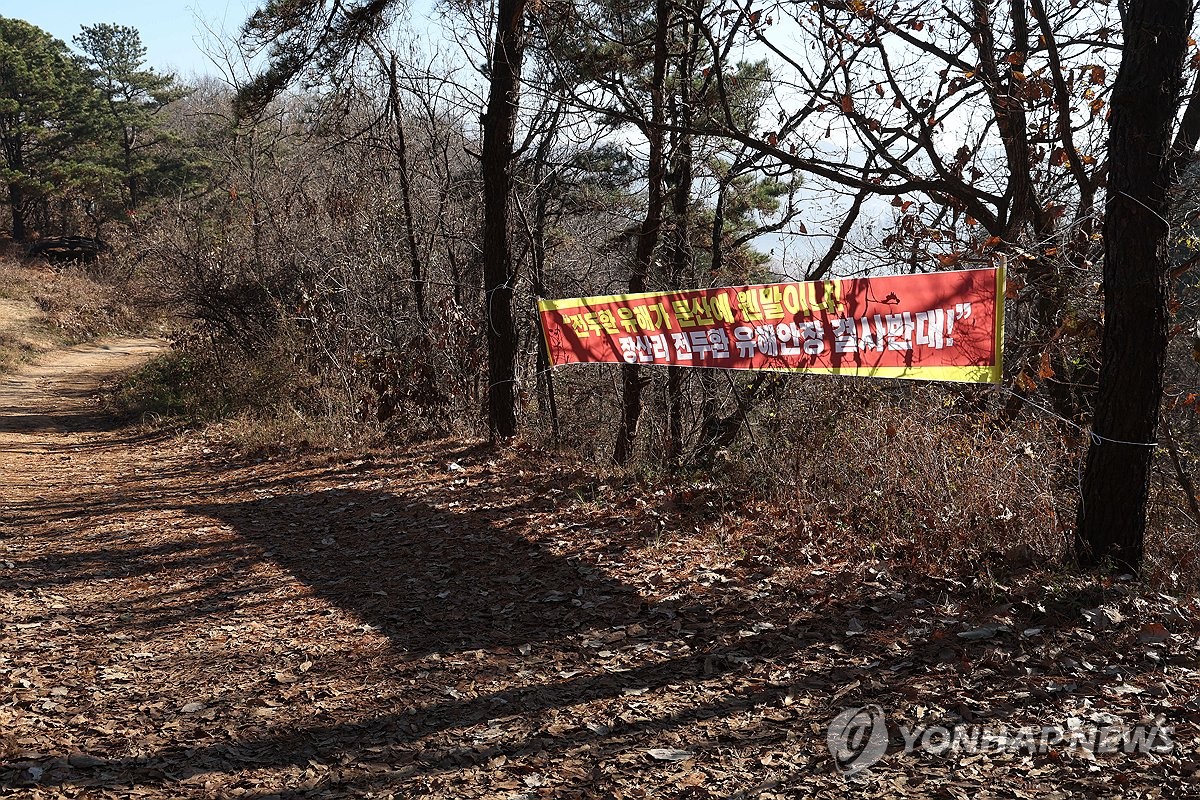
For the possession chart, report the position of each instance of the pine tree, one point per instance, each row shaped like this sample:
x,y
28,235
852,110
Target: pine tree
x,y
45,99
1116,483
131,96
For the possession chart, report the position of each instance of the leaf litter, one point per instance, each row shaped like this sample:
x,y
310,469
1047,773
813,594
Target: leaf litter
x,y
183,623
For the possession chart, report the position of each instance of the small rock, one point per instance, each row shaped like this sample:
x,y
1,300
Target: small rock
x,y
668,754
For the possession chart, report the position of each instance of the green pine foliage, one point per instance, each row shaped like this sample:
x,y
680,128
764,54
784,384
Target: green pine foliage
x,y
132,97
45,112
84,136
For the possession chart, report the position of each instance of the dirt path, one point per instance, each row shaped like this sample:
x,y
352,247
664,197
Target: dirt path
x,y
457,623
55,396
49,411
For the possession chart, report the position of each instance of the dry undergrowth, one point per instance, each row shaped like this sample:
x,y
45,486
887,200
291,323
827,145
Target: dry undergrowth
x,y
927,479
43,307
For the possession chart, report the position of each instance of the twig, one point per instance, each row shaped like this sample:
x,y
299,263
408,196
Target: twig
x,y
1185,480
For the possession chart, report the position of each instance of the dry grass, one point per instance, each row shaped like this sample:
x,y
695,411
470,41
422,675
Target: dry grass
x,y
928,479
82,308
837,475
916,485
42,308
24,329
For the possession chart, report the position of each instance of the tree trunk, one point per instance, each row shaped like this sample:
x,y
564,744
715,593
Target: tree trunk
x,y
708,404
498,273
1116,483
132,184
1188,135
681,249
631,377
547,401
417,277
16,199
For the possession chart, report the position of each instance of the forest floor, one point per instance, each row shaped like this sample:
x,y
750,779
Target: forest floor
x,y
460,622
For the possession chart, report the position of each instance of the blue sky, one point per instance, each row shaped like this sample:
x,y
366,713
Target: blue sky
x,y
173,31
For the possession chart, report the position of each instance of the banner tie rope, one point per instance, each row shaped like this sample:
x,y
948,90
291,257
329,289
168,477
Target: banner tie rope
x,y
1095,438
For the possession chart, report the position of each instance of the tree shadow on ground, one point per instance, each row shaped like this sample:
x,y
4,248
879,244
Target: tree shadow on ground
x,y
433,581
442,584
436,582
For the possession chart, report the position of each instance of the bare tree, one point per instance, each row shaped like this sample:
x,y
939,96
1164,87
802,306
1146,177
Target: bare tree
x,y
301,36
982,124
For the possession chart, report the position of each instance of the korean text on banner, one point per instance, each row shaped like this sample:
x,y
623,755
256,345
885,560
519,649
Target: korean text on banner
x,y
944,326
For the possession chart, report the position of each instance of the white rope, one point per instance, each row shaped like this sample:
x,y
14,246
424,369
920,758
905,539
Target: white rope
x,y
1095,438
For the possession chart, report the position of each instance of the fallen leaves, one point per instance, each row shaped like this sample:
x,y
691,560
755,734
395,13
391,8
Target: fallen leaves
x,y
983,632
1153,633
427,626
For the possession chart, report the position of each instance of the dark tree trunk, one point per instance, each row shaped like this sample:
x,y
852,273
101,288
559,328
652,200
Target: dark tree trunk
x,y
1008,106
1023,216
717,242
1112,509
416,274
547,398
16,199
632,381
1189,130
132,184
547,401
681,245
716,249
498,271
718,432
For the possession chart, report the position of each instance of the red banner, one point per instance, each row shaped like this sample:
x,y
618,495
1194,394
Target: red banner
x,y
944,326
